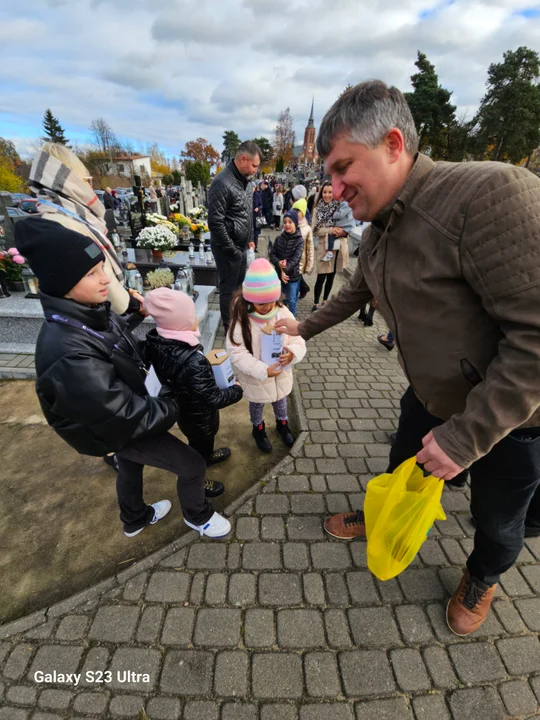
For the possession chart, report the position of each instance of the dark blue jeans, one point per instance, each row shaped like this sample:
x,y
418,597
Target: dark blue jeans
x,y
291,290
505,486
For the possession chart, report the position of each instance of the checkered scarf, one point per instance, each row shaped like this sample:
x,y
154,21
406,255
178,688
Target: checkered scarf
x,y
60,190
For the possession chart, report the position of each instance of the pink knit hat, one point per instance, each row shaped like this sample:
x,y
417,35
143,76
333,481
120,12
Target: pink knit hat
x,y
174,313
262,284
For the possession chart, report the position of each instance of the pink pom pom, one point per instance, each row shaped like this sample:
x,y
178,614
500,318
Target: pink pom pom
x,y
19,259
13,251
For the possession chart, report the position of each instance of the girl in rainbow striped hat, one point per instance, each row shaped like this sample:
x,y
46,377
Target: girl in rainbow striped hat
x,y
254,312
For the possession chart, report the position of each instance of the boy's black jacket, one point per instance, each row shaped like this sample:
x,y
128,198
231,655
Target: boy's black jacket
x,y
93,395
188,373
288,247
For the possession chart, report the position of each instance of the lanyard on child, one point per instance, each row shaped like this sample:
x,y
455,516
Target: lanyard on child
x,y
55,317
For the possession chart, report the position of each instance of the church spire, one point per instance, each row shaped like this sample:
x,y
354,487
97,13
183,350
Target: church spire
x,y
311,121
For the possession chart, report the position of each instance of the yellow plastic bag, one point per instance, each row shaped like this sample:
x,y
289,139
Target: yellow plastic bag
x,y
400,509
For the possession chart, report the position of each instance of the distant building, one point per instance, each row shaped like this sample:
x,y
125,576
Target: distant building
x,y
130,165
306,154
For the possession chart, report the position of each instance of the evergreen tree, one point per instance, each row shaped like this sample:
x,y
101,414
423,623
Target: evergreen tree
x,y
508,120
54,132
231,141
433,113
197,171
266,149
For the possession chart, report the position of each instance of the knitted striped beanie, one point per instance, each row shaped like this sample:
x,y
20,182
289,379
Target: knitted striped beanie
x,y
261,284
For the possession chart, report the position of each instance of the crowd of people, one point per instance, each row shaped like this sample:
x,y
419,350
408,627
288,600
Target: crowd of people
x,y
450,259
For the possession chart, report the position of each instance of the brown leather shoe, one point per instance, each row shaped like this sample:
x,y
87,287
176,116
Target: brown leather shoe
x,y
469,605
346,526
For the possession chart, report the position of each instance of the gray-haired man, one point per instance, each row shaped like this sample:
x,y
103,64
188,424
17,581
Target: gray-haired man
x,y
230,221
452,260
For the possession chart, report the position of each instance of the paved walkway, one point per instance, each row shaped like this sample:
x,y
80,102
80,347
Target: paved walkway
x,y
280,621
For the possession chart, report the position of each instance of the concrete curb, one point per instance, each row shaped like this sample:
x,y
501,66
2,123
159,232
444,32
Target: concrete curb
x,y
64,606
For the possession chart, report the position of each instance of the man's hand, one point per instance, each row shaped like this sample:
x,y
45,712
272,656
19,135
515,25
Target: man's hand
x,y
286,358
339,232
436,461
251,246
282,263
289,326
284,278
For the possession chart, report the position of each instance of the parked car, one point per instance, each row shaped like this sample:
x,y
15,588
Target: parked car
x,y
15,214
19,197
29,205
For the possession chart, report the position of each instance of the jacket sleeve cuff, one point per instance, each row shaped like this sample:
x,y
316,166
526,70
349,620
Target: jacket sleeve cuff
x,y
448,440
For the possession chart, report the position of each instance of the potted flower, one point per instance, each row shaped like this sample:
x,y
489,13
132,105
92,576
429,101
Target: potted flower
x,y
12,265
198,228
155,219
157,239
163,277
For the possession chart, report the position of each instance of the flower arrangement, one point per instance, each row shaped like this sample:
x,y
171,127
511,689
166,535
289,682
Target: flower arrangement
x,y
11,263
179,219
199,213
199,227
175,207
157,238
160,278
160,220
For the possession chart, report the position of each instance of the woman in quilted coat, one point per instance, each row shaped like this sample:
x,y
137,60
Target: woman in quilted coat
x,y
255,309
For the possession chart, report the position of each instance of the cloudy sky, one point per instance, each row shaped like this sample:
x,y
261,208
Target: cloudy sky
x,y
173,70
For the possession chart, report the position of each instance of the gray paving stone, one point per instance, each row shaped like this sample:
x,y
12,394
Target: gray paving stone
x,y
508,616
162,708
477,662
239,711
247,528
430,707
322,676
305,466
305,527
97,660
373,627
198,585
520,655
5,648
342,483
218,627
178,627
134,587
280,589
92,703
177,561
362,588
518,697
201,710
144,662
337,503
293,483
337,629
277,676
72,627
394,709
418,585
409,669
330,556
242,589
13,713
150,624
295,556
432,554
304,504
313,589
216,588
207,556
272,504
358,553
318,483
17,661
300,629
114,623
272,528
482,703
453,551
259,628
55,699
262,556
530,612
233,556
279,712
413,624
231,674
187,672
169,586
336,711
21,695
126,706
535,684
366,672
62,658
439,667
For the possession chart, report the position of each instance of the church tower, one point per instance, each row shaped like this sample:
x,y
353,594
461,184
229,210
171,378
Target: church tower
x,y
308,151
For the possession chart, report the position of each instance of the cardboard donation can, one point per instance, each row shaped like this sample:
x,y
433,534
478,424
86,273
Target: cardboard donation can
x,y
222,368
271,345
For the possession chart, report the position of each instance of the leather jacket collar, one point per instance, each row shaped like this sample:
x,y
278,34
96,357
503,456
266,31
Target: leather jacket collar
x,y
96,317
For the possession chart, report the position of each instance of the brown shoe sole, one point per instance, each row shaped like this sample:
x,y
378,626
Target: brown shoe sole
x,y
452,629
339,537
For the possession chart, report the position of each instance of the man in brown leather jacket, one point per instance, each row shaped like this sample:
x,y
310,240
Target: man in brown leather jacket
x,y
453,255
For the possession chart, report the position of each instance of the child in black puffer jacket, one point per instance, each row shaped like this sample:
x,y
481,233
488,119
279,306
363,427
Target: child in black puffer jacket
x,y
179,361
285,256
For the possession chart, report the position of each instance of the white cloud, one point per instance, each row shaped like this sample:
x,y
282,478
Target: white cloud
x,y
171,71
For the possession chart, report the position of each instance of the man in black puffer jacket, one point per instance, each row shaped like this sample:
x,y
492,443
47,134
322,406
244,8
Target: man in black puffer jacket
x,y
91,380
230,220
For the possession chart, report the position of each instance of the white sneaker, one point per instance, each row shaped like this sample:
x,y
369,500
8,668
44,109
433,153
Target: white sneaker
x,y
216,527
161,509
329,255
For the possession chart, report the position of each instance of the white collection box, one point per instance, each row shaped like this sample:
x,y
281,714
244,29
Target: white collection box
x,y
222,368
271,345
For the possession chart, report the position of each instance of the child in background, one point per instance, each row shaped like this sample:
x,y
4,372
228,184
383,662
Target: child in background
x,y
308,255
342,218
285,255
256,306
174,350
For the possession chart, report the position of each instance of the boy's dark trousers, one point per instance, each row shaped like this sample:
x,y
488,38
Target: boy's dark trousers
x,y
203,445
505,488
166,452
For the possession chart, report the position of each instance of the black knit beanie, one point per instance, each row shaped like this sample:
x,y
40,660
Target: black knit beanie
x,y
59,257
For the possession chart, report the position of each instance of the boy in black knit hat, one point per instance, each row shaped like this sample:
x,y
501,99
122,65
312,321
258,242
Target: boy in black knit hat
x,y
92,380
